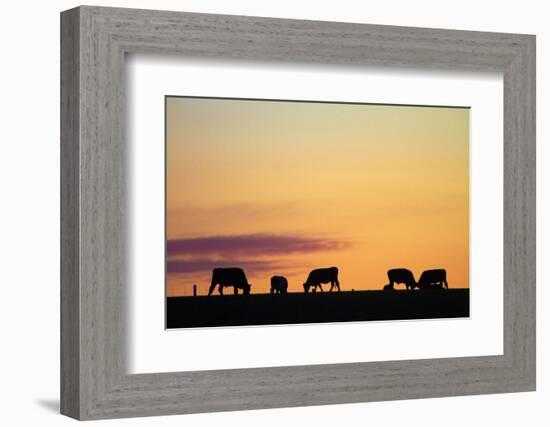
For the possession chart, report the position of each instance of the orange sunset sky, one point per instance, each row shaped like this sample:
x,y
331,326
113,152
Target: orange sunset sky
x,y
286,187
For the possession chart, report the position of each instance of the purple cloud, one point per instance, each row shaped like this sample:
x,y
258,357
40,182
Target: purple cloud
x,y
251,245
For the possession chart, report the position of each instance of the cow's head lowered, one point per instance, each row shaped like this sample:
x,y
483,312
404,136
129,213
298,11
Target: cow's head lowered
x,y
246,289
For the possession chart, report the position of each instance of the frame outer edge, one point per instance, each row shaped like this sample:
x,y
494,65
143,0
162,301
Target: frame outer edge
x,y
70,396
90,364
532,226
528,176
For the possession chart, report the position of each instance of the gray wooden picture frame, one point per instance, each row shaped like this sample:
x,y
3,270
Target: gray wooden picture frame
x,y
94,381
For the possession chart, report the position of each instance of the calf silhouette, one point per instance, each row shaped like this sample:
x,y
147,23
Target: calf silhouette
x,y
400,275
279,285
433,279
322,275
224,277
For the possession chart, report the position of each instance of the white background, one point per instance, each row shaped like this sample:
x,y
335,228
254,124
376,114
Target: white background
x,y
29,224
152,349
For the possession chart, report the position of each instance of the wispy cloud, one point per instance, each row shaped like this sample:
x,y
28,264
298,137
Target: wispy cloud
x,y
256,245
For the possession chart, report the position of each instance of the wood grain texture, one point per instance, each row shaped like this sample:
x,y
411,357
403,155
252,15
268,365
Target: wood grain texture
x,y
94,380
70,220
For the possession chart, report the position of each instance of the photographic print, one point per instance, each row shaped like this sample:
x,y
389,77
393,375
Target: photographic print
x,y
293,212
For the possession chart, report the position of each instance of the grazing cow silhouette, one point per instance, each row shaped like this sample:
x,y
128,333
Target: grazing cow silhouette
x,y
279,285
400,275
224,277
322,275
433,279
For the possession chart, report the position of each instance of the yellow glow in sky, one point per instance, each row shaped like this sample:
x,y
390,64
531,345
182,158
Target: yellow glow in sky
x,y
285,187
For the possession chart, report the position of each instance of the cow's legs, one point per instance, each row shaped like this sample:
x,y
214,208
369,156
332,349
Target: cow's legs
x,y
337,283
220,289
235,290
446,284
320,287
211,289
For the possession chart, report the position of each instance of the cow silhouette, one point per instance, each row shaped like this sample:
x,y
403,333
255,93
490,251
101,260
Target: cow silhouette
x,y
433,279
224,277
400,275
322,275
279,285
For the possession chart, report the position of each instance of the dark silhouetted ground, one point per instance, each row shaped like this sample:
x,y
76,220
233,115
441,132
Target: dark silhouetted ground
x,y
266,309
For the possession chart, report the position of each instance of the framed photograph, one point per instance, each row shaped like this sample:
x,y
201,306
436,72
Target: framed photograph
x,y
262,213
272,192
